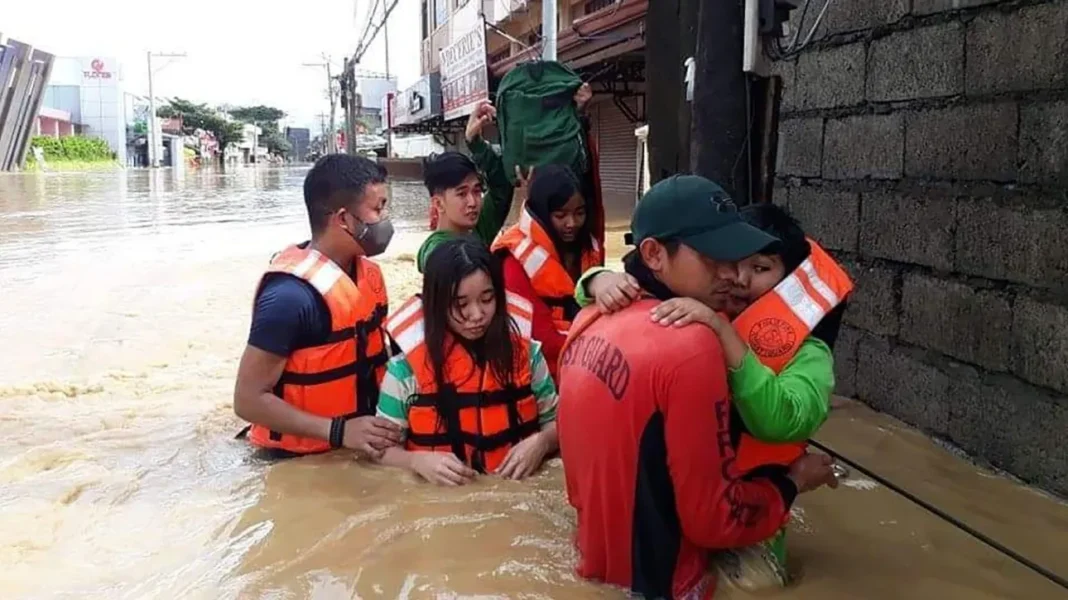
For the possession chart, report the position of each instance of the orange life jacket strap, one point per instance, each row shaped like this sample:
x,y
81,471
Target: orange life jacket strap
x,y
319,377
483,443
372,323
510,396
367,380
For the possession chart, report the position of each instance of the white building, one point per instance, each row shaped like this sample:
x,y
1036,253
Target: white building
x,y
248,150
91,90
372,90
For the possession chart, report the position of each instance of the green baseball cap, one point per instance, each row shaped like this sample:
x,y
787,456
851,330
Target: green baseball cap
x,y
700,214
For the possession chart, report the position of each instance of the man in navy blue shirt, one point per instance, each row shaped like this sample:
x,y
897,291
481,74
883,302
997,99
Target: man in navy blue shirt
x,y
308,378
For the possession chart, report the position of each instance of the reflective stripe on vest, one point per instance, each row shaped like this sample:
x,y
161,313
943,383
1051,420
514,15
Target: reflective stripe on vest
x,y
529,243
342,375
777,324
486,418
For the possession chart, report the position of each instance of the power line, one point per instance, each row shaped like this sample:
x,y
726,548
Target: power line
x,y
365,41
367,25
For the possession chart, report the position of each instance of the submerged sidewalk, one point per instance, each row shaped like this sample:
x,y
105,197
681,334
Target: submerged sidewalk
x,y
864,540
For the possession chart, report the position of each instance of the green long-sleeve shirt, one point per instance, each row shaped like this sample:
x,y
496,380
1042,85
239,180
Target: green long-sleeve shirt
x,y
788,407
495,206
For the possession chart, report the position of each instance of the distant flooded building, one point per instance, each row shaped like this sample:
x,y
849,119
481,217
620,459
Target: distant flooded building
x,y
90,90
372,90
299,139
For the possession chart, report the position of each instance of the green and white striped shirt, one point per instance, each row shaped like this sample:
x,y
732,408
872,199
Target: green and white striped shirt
x,y
399,389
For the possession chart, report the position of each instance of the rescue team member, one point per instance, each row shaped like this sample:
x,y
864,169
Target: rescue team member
x,y
788,305
452,179
472,390
547,251
457,206
308,379
655,490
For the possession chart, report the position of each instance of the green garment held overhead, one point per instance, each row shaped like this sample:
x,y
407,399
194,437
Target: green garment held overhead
x,y
538,119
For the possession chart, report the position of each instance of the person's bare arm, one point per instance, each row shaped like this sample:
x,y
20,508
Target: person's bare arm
x,y
441,468
397,457
680,312
255,401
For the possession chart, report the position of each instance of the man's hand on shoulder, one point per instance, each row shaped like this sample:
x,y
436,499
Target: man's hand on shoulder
x,y
680,312
612,292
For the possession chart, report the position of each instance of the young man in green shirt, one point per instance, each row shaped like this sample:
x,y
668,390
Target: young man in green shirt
x,y
456,188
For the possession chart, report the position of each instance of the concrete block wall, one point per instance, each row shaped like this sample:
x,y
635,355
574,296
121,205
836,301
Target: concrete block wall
x,y
925,142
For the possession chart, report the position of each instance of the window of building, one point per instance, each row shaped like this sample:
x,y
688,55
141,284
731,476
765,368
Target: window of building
x,y
441,12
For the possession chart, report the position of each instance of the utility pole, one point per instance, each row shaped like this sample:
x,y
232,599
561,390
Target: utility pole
x,y
548,29
385,109
720,107
671,37
153,160
331,95
322,125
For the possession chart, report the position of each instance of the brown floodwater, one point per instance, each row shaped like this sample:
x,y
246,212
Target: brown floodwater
x,y
126,300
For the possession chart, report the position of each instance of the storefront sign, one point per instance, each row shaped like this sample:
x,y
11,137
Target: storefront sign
x,y
96,70
464,81
419,102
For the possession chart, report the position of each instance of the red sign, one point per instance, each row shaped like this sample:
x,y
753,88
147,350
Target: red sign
x,y
96,70
171,125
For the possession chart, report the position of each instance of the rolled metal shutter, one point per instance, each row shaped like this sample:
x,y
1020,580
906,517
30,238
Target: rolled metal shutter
x,y
618,148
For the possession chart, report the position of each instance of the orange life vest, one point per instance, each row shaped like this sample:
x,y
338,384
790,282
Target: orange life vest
x,y
342,376
531,245
489,417
775,326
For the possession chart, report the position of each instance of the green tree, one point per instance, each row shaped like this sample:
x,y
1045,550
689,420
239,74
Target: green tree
x,y
266,118
275,141
201,116
226,132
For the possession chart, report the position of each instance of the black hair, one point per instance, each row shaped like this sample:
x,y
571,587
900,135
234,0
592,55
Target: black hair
x,y
446,170
550,189
671,246
775,220
331,184
446,266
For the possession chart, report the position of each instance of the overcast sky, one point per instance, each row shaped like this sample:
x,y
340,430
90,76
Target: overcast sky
x,y
239,51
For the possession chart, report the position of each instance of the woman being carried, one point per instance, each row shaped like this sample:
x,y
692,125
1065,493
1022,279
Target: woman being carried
x,y
546,253
471,390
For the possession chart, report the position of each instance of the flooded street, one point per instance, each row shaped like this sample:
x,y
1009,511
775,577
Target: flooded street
x,y
126,301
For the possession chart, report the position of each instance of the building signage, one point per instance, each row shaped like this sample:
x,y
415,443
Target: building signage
x,y
419,102
464,80
96,70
